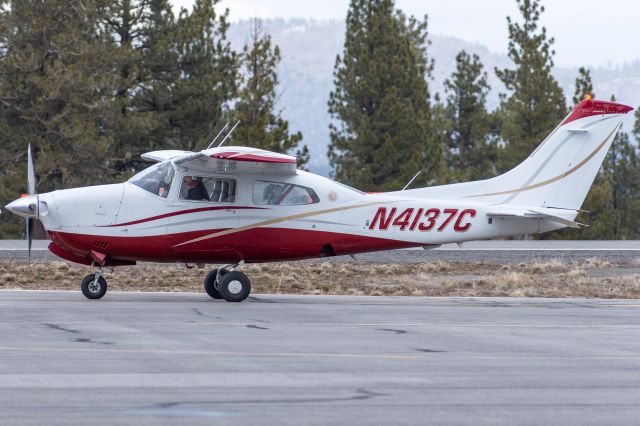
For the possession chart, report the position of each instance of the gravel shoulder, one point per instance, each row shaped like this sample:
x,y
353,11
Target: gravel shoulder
x,y
593,277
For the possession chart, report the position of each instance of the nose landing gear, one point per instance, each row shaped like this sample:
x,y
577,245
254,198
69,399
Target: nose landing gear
x,y
94,286
225,283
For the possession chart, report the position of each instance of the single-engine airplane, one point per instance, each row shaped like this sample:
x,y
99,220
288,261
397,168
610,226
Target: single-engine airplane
x,y
237,205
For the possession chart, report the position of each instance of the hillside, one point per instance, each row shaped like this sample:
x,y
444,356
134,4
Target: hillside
x,y
309,50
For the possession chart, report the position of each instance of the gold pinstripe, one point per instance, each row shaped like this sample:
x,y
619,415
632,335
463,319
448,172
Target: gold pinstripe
x,y
555,178
276,220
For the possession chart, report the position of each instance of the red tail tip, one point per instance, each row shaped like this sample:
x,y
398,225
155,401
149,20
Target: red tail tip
x,y
590,107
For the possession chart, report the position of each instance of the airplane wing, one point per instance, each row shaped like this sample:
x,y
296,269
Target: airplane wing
x,y
235,159
527,213
163,155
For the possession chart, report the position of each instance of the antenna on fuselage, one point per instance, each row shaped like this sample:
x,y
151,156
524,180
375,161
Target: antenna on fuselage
x,y
218,135
412,179
229,134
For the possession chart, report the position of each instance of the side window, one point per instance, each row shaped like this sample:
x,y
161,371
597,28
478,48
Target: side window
x,y
212,189
283,194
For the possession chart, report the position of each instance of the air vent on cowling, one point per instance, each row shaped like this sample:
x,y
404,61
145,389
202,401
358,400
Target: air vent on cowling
x,y
100,244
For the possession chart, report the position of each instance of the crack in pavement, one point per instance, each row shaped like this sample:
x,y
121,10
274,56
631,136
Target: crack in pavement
x,y
60,328
87,340
256,327
360,395
392,330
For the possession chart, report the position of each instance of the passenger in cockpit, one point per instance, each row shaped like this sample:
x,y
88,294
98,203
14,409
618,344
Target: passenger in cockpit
x,y
197,190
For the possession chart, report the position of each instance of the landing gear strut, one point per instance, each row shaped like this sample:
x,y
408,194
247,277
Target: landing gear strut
x,y
94,286
228,284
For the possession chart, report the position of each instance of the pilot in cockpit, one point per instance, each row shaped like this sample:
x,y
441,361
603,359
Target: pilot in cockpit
x,y
164,177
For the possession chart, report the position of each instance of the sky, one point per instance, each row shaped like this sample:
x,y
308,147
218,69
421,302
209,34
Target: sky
x,y
587,32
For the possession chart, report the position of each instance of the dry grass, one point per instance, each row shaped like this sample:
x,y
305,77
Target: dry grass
x,y
594,262
550,278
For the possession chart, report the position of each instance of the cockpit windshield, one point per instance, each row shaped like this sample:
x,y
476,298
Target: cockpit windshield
x,y
155,179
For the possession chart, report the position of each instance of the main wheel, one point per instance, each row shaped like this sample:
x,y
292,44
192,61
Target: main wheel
x,y
210,284
234,286
92,289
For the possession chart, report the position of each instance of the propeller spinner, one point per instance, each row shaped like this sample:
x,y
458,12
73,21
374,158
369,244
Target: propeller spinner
x,y
28,205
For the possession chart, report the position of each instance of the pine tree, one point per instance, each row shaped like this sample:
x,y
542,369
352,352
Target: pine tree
x,y
125,21
536,103
381,134
175,77
207,82
627,189
53,94
158,73
583,86
614,207
440,135
472,151
259,126
618,217
597,205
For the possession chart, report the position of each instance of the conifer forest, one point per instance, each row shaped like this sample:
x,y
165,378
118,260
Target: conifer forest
x,y
93,84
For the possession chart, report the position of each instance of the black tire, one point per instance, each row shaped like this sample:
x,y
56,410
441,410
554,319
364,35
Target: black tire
x,y
234,286
210,284
90,291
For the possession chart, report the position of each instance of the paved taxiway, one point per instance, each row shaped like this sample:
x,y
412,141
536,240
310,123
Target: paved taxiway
x,y
149,358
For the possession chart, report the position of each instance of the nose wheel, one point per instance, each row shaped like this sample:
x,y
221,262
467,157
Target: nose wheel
x,y
232,286
94,286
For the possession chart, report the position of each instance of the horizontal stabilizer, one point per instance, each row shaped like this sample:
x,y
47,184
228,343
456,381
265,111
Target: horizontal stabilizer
x,y
526,213
561,220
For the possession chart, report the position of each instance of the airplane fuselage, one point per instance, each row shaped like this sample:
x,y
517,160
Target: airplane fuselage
x,y
124,222
239,204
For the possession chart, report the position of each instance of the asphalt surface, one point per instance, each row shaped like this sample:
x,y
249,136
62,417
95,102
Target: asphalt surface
x,y
500,251
180,358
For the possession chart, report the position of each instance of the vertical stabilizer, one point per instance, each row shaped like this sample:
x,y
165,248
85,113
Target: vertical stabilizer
x,y
560,170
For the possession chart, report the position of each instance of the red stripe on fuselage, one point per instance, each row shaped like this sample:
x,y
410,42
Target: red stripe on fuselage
x,y
181,212
252,245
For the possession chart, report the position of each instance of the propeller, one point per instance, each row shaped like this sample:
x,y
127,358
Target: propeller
x,y
31,187
28,205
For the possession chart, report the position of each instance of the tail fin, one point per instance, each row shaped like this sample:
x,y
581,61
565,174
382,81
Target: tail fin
x,y
559,172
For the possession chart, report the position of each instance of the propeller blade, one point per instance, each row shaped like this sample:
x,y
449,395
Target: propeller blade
x,y
30,224
31,186
31,176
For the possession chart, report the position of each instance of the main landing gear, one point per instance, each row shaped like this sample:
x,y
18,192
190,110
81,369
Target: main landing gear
x,y
225,283
94,286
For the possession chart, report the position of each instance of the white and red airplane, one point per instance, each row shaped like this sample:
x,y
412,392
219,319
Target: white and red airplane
x,y
237,205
